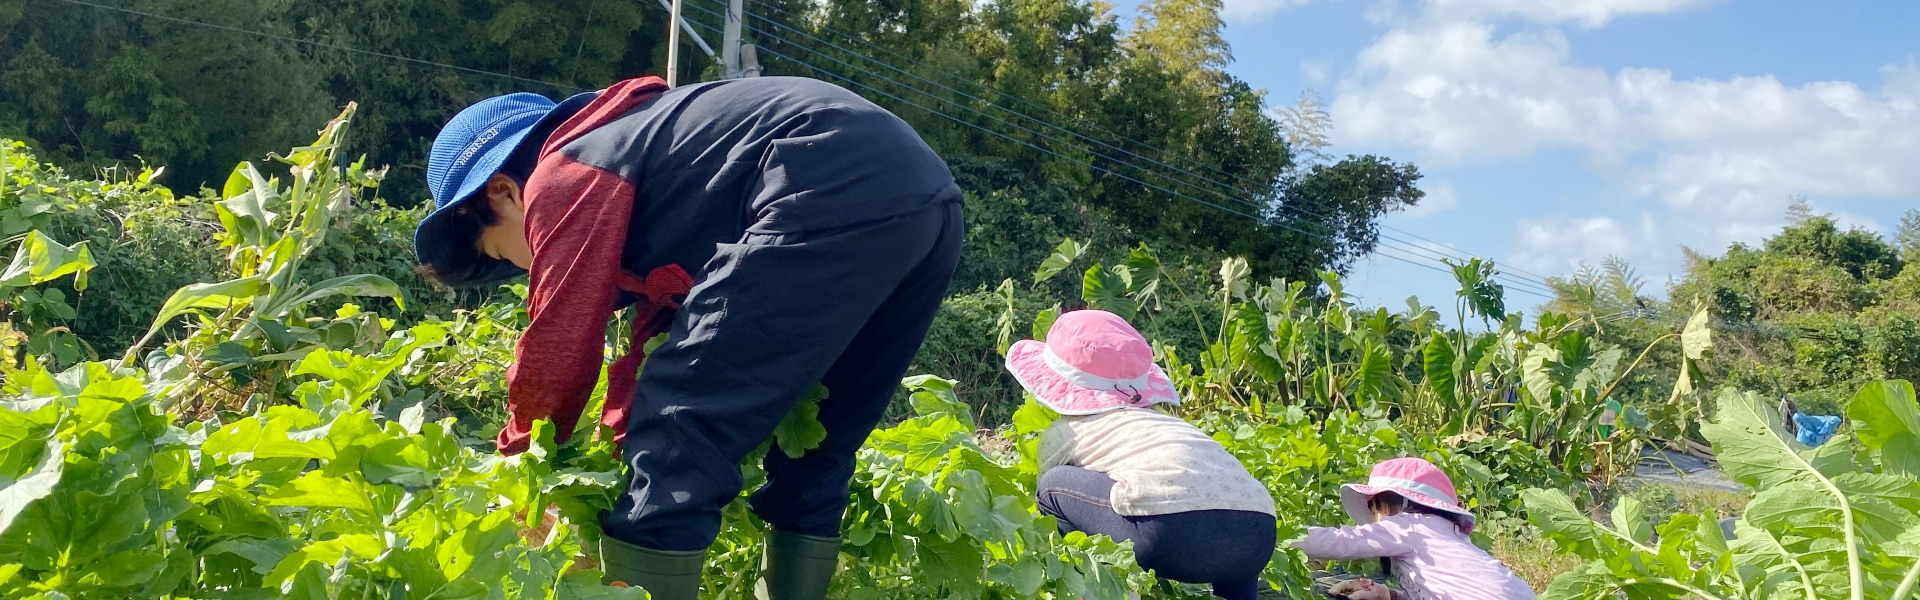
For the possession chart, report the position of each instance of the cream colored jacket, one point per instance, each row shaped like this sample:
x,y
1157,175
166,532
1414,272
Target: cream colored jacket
x,y
1160,464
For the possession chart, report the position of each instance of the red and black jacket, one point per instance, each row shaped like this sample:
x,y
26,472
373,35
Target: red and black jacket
x,y
635,190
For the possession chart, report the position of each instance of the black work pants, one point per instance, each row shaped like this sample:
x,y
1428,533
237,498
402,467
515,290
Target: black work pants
x,y
1226,548
769,317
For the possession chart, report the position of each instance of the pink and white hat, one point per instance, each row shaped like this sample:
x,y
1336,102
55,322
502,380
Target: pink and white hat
x,y
1092,362
1412,478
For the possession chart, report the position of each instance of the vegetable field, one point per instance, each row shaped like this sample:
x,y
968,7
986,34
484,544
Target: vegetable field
x,y
271,434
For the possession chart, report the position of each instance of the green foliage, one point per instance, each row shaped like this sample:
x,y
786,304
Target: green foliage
x,y
1817,313
96,87
1823,522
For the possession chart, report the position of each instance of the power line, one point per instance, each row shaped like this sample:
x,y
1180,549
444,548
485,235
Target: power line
x,y
1048,151
1538,279
1412,248
1519,284
283,38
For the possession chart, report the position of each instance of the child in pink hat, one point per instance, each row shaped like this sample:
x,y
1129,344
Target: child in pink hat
x,y
1410,518
1111,465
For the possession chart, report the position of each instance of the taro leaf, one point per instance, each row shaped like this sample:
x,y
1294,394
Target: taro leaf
x,y
1043,323
1233,276
40,259
1105,291
1335,290
1697,338
1536,371
1437,363
17,495
350,285
801,430
1062,257
1370,379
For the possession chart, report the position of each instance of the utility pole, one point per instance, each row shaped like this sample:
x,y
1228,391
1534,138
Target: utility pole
x,y
730,42
673,45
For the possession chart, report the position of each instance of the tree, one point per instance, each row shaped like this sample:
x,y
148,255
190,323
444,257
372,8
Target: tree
x,y
1308,127
1055,121
1908,237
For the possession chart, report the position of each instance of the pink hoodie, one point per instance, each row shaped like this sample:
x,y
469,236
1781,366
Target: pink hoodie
x,y
1431,557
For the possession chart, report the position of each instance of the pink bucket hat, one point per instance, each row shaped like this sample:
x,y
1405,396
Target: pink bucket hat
x,y
1092,362
1412,478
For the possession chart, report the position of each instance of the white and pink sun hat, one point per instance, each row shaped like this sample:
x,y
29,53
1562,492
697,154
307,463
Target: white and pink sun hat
x,y
1092,362
1412,478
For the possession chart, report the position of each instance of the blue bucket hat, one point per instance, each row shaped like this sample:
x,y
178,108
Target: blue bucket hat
x,y
473,146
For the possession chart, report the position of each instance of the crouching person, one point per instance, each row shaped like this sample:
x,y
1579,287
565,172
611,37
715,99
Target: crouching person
x,y
1112,465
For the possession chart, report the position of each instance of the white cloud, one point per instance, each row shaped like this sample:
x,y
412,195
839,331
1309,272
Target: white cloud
x,y
1555,244
1719,155
1440,198
1241,11
1590,13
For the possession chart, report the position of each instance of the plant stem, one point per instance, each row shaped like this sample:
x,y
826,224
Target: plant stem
x,y
1608,391
1906,585
1672,583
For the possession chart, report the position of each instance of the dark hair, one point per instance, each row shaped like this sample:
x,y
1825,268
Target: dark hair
x,y
1394,504
462,229
464,225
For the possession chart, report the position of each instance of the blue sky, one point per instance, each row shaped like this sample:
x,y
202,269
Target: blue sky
x,y
1557,131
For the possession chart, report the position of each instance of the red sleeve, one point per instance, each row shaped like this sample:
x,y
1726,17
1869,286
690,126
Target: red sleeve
x,y
577,218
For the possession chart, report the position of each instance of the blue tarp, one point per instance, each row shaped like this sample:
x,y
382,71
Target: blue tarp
x,y
1815,429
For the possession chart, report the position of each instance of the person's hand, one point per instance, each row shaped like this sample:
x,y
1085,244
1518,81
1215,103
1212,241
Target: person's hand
x,y
1362,589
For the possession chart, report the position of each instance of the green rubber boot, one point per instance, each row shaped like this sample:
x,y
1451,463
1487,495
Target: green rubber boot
x,y
665,574
797,567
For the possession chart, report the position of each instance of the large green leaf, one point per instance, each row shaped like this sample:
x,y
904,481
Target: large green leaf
x,y
1630,519
207,295
40,259
350,285
316,490
935,396
1437,363
1106,291
1553,512
1754,449
1886,418
18,494
1062,257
